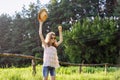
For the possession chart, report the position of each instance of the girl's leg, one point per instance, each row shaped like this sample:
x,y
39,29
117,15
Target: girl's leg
x,y
52,72
52,77
45,78
45,73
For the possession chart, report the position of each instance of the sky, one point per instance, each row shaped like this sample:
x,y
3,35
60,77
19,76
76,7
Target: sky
x,y
10,6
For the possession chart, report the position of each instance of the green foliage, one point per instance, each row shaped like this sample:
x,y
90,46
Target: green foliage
x,y
117,9
92,38
5,24
66,12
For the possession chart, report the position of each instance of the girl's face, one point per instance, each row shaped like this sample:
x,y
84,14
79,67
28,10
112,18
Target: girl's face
x,y
53,38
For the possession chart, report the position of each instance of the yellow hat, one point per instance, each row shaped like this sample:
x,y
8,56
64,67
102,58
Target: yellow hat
x,y
42,15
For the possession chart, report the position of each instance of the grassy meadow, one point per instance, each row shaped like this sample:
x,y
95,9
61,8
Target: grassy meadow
x,y
62,73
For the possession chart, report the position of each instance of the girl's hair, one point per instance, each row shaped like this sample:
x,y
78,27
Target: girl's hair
x,y
48,37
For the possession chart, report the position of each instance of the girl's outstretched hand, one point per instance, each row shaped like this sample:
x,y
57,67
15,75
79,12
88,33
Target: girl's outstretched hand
x,y
60,28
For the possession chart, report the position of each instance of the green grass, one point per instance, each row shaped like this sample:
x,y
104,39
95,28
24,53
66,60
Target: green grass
x,y
62,73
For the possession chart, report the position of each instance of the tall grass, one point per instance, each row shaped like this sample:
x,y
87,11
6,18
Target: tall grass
x,y
62,73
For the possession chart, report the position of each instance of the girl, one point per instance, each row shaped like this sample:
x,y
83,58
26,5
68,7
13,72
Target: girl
x,y
50,58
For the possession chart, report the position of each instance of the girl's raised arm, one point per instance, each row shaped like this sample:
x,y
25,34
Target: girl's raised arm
x,y
60,36
41,34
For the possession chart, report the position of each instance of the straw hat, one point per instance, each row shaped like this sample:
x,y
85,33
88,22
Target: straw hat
x,y
42,15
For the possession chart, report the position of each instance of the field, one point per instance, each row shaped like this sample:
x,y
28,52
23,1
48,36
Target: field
x,y
62,73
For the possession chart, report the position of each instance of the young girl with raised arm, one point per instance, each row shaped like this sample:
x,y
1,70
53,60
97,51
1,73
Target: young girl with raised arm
x,y
50,58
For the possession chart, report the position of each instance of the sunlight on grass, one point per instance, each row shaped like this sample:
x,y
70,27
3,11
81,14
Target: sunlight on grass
x,y
63,73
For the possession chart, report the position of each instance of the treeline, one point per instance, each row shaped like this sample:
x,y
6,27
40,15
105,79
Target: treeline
x,y
91,32
93,41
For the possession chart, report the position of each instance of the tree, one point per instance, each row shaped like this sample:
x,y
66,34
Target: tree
x,y
110,7
92,41
117,8
5,24
22,34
